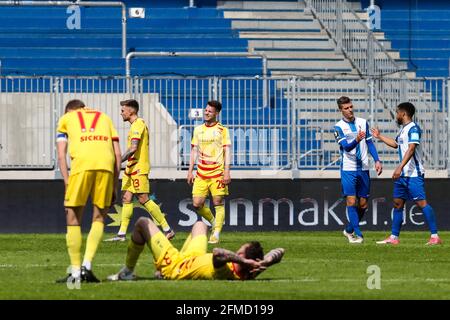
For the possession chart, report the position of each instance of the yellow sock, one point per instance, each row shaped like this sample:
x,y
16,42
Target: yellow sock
x,y
73,240
156,213
206,213
220,217
93,240
134,251
127,212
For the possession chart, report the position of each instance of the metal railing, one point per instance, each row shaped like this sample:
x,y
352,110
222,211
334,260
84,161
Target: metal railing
x,y
430,96
27,115
135,54
293,131
132,55
316,114
253,122
387,79
354,39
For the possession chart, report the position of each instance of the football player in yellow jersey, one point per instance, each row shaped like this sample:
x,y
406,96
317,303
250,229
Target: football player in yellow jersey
x,y
192,261
95,166
211,145
135,177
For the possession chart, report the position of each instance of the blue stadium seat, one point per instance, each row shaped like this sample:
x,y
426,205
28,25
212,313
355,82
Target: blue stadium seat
x,y
419,30
36,41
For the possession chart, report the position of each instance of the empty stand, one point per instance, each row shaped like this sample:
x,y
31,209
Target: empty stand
x,y
37,41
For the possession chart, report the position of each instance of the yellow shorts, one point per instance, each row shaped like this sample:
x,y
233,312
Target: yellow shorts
x,y
136,184
167,257
98,184
215,186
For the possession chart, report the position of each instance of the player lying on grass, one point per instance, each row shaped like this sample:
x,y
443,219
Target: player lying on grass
x,y
192,261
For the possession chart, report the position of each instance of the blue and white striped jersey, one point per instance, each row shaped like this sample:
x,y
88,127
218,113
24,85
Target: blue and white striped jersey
x,y
410,133
356,159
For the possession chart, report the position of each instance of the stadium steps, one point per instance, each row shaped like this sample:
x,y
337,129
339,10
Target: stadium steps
x,y
381,36
261,5
295,45
293,40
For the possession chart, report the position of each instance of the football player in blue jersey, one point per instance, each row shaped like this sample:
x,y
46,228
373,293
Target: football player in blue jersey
x,y
409,174
355,143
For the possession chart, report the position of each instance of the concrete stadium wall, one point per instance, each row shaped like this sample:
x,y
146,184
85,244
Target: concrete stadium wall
x,y
26,134
272,204
162,127
29,126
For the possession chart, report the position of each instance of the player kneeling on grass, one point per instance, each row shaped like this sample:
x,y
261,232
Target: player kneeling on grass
x,y
192,261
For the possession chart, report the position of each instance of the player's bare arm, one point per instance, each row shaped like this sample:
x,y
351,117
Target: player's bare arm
x,y
408,155
388,141
192,160
227,161
131,150
118,157
378,167
62,160
272,257
222,256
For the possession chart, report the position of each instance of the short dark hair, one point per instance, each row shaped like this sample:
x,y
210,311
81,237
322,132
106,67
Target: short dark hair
x,y
216,104
343,100
254,251
74,105
408,107
130,103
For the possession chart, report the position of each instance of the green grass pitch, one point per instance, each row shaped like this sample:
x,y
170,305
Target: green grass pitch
x,y
317,265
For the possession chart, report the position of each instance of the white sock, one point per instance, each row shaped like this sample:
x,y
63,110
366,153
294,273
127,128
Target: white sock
x,y
434,235
87,265
127,270
121,233
394,237
76,272
166,229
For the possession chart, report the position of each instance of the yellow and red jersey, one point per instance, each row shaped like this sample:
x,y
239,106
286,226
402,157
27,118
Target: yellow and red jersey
x,y
192,262
139,162
210,142
201,267
90,134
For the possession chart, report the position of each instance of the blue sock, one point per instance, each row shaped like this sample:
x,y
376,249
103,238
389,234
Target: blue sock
x,y
361,212
431,220
349,228
354,221
397,222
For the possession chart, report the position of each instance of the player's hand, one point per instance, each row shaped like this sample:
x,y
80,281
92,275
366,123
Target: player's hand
x,y
361,135
258,269
378,167
226,178
252,264
375,132
190,178
397,173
